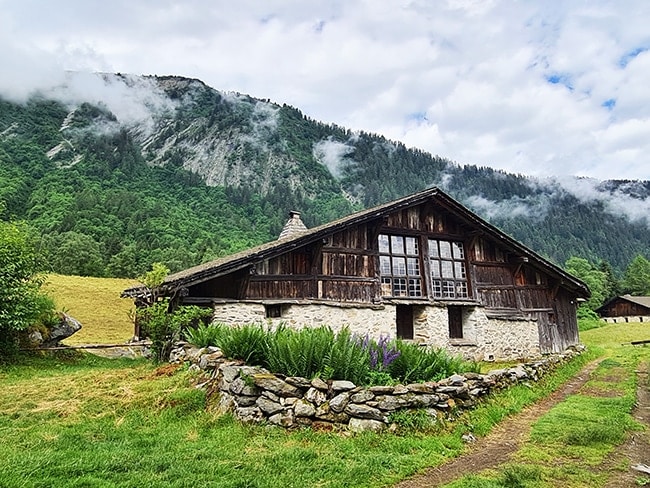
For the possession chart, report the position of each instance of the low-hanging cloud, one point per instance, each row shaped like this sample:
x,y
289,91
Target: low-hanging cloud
x,y
505,209
626,199
332,154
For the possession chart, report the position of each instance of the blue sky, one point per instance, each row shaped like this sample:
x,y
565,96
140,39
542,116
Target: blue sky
x,y
542,88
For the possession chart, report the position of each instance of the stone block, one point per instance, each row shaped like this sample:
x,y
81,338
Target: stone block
x,y
339,402
364,425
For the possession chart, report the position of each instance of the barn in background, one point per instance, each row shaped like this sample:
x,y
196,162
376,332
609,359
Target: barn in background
x,y
626,308
423,268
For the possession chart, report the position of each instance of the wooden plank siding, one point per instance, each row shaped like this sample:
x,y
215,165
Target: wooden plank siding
x,y
558,328
344,266
624,308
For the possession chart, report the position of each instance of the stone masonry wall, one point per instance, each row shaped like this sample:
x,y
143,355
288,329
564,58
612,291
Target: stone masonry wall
x,y
483,338
254,394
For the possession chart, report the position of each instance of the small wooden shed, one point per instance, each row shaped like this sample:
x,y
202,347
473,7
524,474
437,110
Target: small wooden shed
x,y
423,267
626,308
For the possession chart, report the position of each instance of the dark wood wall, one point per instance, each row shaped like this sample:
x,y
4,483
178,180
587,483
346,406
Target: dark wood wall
x,y
624,308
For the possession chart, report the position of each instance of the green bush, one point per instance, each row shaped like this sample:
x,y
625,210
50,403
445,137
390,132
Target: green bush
x,y
165,328
203,335
22,302
417,364
588,319
247,342
300,353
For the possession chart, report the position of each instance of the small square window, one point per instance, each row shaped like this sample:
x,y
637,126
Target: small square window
x,y
273,311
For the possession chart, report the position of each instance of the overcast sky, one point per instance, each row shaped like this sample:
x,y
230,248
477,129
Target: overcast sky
x,y
534,87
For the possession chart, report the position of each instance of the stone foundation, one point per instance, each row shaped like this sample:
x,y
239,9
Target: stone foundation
x,y
483,338
623,320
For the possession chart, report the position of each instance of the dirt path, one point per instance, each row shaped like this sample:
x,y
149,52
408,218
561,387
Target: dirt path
x,y
497,447
636,449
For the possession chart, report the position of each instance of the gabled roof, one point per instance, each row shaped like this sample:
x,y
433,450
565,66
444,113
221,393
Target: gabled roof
x,y
643,301
249,257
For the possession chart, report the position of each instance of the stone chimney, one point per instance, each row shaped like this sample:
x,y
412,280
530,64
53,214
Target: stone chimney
x,y
293,226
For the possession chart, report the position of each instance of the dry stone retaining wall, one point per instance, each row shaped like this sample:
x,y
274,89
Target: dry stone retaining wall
x,y
254,394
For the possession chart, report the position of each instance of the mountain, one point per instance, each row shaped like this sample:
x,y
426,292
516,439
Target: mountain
x,y
118,171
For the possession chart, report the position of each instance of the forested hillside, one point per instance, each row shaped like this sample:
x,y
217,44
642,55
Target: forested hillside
x,y
168,169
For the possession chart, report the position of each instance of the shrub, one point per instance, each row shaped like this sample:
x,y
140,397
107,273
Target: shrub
x,y
588,319
164,328
203,335
300,353
246,342
416,364
22,303
312,352
348,359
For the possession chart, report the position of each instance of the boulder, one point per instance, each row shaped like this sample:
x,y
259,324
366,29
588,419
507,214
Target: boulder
x,y
66,327
240,387
302,408
342,385
315,396
364,412
339,402
268,406
319,384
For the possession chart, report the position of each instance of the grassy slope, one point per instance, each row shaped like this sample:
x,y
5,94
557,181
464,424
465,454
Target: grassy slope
x,y
96,422
96,303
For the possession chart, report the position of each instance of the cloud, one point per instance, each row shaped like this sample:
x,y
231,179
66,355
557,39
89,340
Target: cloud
x,y
526,87
332,154
504,209
135,101
630,200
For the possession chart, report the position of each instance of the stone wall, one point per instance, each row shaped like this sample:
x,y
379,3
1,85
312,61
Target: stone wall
x,y
622,320
254,394
483,338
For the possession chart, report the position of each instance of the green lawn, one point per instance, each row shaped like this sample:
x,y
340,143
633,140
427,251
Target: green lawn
x,y
572,444
94,422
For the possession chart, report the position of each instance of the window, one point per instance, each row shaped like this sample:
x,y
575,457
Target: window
x,y
273,311
399,266
448,273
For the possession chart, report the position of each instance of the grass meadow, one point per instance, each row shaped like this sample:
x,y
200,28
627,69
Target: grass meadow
x,y
78,420
96,303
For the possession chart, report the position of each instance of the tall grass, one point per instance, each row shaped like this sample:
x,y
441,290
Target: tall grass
x,y
320,352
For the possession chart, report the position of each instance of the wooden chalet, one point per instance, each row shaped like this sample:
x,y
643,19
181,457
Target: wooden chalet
x,y
423,268
626,308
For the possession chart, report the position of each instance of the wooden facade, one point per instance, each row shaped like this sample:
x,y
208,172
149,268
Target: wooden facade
x,y
626,306
419,252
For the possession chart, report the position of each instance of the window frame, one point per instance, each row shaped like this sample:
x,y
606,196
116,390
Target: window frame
x,y
400,266
447,259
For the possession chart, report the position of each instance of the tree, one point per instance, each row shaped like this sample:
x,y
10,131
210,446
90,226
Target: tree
x,y
637,277
153,278
74,253
21,299
593,278
612,283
